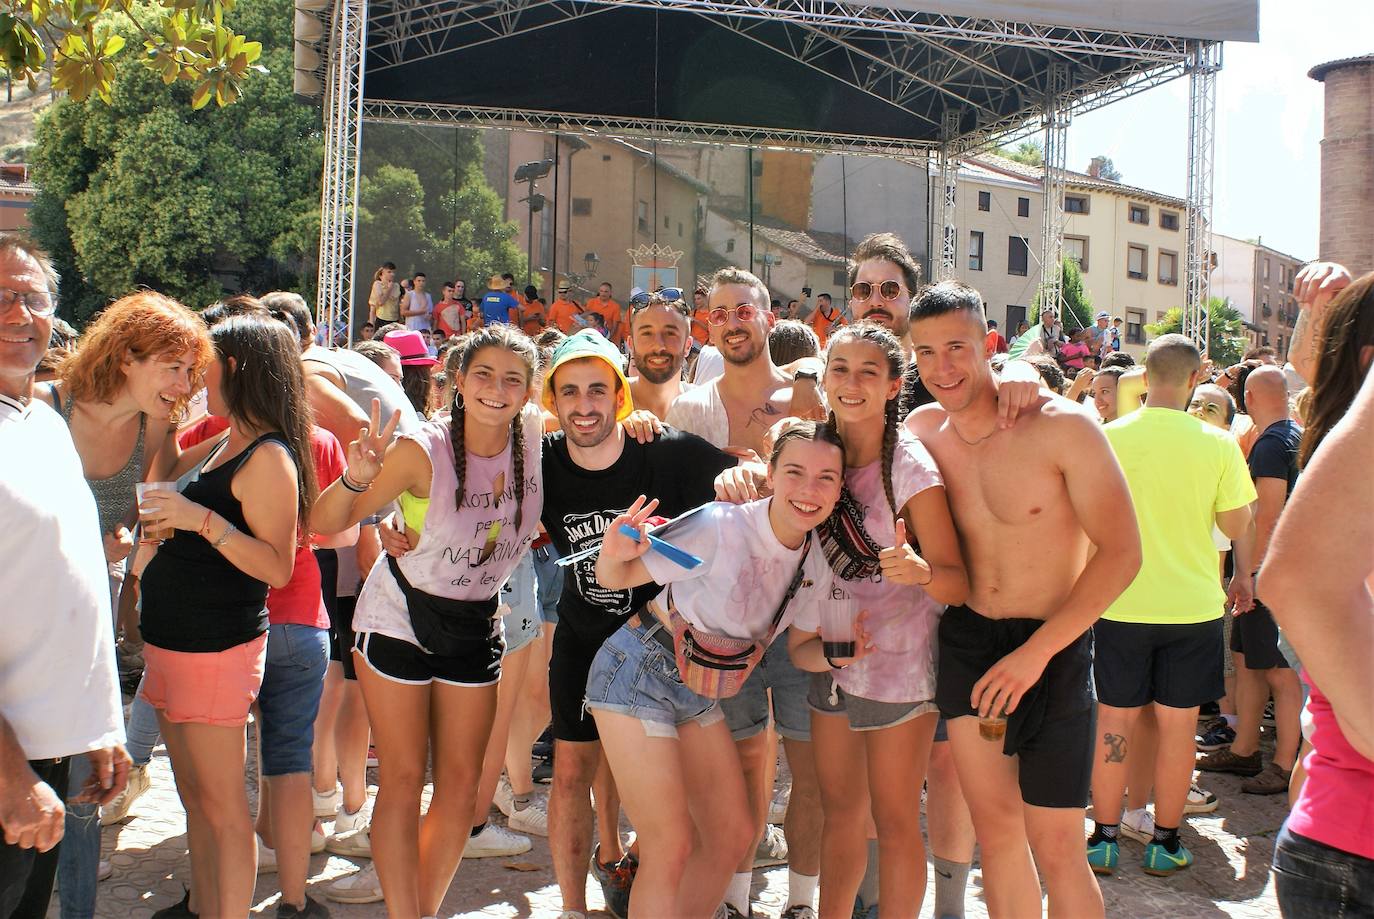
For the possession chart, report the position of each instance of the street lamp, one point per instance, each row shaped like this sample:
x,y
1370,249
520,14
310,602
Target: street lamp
x,y
529,173
590,261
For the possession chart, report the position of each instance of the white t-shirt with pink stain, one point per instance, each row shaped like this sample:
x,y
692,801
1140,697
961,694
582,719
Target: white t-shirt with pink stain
x,y
744,574
902,619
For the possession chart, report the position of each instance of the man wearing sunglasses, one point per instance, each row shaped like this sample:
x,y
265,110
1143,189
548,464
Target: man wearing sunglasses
x,y
659,342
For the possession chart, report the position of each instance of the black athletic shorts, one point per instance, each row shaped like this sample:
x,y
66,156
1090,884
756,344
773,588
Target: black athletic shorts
x,y
1051,731
341,637
1180,666
1256,635
479,663
570,662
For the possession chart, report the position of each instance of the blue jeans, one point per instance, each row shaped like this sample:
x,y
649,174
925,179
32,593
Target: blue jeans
x,y
550,578
634,674
1315,881
289,701
143,729
78,858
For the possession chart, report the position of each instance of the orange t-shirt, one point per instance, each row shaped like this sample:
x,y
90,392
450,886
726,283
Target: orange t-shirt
x,y
564,313
535,317
820,324
701,326
611,312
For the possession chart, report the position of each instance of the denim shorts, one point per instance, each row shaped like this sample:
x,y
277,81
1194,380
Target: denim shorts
x,y
634,674
1315,881
747,712
827,698
292,681
550,577
519,599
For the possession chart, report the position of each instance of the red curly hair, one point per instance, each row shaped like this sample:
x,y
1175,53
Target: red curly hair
x,y
142,325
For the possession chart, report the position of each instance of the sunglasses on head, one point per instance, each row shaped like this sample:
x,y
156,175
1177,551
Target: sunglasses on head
x,y
888,290
745,312
662,295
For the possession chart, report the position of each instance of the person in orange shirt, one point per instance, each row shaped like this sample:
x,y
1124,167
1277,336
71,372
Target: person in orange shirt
x,y
701,326
610,312
534,315
825,318
565,312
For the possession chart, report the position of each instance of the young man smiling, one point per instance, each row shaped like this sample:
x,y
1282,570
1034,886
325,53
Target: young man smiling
x,y
659,342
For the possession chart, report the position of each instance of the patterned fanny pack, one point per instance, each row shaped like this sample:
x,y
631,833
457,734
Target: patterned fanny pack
x,y
851,552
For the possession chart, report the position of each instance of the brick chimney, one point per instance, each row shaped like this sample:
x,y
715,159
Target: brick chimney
x,y
1095,167
1347,202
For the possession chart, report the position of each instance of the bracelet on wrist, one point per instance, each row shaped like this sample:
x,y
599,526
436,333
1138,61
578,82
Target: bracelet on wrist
x,y
228,531
834,666
205,524
353,484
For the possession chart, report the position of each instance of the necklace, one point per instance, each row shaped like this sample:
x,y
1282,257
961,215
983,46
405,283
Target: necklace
x,y
972,443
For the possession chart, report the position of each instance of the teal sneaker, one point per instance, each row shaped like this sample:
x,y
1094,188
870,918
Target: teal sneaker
x,y
1103,856
1161,863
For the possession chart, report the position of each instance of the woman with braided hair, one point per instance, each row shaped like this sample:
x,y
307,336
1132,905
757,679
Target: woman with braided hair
x,y
873,720
429,640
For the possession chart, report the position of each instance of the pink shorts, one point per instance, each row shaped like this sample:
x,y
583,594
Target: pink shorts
x,y
216,687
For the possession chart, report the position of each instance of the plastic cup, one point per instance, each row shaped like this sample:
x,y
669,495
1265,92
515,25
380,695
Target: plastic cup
x,y
152,535
837,624
993,727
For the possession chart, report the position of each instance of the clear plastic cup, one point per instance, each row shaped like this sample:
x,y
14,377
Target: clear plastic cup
x,y
837,624
152,535
993,727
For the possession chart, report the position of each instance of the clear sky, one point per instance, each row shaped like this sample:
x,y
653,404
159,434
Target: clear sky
x,y
1269,124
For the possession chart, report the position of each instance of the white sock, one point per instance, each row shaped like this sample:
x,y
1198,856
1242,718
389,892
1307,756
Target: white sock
x,y
801,889
737,894
1231,720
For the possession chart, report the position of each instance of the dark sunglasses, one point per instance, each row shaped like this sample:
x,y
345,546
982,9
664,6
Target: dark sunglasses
x,y
745,312
663,295
888,290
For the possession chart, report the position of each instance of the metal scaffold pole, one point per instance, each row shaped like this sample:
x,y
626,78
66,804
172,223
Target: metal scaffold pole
x,y
1052,222
949,178
1204,60
343,126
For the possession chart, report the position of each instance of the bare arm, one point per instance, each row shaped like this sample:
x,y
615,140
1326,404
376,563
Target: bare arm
x,y
31,813
1272,494
1314,287
334,411
620,564
162,460
1317,577
944,578
405,467
1235,524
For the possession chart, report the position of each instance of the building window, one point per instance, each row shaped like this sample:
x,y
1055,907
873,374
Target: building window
x,y
1076,248
1135,327
984,201
1023,207
666,224
841,279
1136,259
1168,267
679,229
1015,316
730,244
1266,271
1140,214
1168,220
1266,311
1075,204
1018,256
975,250
582,207
642,211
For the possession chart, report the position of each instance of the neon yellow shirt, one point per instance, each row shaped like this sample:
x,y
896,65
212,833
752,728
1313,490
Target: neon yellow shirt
x,y
414,510
1181,473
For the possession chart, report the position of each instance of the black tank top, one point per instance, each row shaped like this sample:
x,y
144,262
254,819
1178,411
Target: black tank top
x,y
195,599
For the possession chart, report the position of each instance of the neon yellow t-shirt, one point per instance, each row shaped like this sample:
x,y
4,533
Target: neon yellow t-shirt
x,y
1181,473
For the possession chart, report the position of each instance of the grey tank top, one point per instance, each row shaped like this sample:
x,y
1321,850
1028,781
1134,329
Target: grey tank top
x,y
114,496
365,381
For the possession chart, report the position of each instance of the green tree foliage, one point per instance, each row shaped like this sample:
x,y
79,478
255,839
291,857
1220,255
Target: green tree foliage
x,y
189,41
1029,152
1078,303
145,191
1107,170
425,204
1225,330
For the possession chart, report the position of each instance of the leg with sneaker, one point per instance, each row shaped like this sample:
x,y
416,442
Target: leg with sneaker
x,y
950,828
1165,854
1115,727
846,809
801,828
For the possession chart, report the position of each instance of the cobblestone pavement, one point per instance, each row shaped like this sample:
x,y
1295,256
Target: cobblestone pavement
x,y
1233,847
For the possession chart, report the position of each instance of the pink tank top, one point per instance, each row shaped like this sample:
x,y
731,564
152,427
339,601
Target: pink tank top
x,y
1336,806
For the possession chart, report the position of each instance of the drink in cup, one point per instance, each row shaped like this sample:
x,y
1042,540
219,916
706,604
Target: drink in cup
x,y
837,624
994,726
152,535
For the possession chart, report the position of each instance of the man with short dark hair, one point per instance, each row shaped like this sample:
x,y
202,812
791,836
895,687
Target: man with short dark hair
x,y
610,313
659,342
1159,643
1021,646
417,306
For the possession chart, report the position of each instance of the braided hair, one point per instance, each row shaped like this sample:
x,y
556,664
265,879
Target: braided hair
x,y
511,339
882,338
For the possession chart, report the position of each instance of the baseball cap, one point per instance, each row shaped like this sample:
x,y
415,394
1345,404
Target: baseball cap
x,y
1103,314
585,344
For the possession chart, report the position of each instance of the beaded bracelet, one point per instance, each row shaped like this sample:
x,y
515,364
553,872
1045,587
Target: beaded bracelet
x,y
219,543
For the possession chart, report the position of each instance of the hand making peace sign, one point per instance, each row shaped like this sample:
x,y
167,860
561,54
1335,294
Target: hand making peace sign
x,y
365,454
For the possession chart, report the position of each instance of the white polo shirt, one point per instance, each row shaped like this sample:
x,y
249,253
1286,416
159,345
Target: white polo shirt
x,y
58,685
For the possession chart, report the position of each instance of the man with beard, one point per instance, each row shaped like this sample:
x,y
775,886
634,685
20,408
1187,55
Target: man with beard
x,y
659,342
1022,645
592,472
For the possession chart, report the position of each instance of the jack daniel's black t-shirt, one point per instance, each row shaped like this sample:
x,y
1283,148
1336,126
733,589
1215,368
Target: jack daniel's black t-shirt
x,y
677,468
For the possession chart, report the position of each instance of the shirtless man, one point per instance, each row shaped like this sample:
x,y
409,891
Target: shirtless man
x,y
1031,490
659,342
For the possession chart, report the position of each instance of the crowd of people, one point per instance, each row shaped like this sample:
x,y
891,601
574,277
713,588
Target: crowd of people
x,y
664,542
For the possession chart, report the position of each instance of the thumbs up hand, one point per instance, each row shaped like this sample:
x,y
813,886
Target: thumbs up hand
x,y
901,565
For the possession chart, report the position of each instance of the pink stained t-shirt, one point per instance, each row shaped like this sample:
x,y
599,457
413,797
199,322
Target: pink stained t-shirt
x,y
902,618
1336,806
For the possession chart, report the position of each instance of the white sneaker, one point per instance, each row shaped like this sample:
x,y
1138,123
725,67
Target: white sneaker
x,y
362,887
532,818
317,838
571,914
345,822
504,799
104,869
327,804
777,808
772,848
496,842
118,809
1200,801
1138,824
355,843
267,858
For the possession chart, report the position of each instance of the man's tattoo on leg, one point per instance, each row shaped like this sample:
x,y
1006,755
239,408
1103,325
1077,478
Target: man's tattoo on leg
x,y
1117,745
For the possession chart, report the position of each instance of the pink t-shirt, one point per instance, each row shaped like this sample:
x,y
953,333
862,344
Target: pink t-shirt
x,y
902,619
1336,806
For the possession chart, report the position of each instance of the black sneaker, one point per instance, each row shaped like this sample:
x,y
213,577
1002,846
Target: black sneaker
x,y
615,879
313,909
180,910
543,771
1209,711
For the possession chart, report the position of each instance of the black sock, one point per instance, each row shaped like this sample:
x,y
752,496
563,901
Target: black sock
x,y
477,829
1103,832
1167,837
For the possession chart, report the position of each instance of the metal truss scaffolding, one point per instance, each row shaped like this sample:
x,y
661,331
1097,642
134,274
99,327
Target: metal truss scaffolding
x,y
1204,60
343,126
949,181
1052,223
